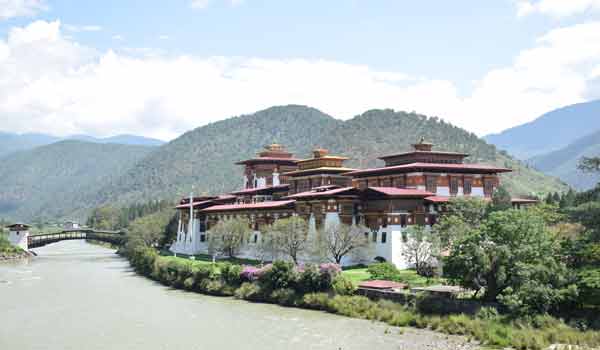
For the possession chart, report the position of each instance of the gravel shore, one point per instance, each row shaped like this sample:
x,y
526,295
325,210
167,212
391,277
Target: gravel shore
x,y
422,339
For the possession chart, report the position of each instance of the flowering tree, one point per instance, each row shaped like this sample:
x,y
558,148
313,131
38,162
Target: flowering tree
x,y
421,248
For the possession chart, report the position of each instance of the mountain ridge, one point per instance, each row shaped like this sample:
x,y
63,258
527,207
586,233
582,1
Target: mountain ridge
x,y
204,159
563,163
13,142
549,132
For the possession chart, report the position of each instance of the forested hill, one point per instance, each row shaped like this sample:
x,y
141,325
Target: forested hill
x,y
205,157
61,179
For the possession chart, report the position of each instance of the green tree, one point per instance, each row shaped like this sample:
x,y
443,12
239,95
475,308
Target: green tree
x,y
461,215
104,218
589,164
148,231
567,200
228,236
501,199
513,258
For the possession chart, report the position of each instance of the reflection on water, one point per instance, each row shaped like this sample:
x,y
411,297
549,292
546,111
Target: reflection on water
x,y
79,296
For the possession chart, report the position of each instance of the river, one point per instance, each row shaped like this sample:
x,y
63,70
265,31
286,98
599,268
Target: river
x,y
79,296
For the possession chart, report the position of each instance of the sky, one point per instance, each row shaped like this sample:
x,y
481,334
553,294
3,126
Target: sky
x,y
159,68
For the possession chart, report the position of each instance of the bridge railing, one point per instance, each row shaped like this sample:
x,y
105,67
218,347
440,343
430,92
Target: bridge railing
x,y
114,237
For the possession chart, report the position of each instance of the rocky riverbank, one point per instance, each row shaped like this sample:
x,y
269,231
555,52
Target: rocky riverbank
x,y
14,255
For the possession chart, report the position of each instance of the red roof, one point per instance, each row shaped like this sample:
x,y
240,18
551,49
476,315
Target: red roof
x,y
261,189
327,193
380,284
196,204
248,206
423,152
438,199
432,166
400,192
269,160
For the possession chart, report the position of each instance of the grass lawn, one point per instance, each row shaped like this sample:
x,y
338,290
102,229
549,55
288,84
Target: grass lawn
x,y
357,275
405,276
204,259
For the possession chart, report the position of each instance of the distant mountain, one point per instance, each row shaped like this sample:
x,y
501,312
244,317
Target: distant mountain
x,y
10,142
563,163
550,132
120,139
205,156
61,179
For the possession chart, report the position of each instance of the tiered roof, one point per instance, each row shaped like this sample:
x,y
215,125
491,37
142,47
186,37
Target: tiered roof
x,y
424,159
321,163
285,204
273,153
262,190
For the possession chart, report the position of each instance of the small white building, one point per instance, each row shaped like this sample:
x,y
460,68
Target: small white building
x,y
18,235
71,225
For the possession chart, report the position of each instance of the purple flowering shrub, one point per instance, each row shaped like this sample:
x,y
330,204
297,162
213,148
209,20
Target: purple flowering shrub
x,y
303,278
330,269
249,273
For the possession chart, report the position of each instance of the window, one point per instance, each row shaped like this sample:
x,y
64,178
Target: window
x,y
202,238
453,185
383,237
467,185
403,220
400,182
488,187
255,238
374,237
431,184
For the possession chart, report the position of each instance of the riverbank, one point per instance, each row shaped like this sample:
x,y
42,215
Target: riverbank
x,y
15,255
323,289
8,252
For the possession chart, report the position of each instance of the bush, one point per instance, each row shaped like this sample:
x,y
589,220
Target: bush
x,y
487,313
343,286
316,301
215,287
285,297
249,291
231,274
280,275
384,271
310,280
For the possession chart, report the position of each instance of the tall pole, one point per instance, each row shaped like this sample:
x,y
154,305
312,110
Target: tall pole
x,y
191,225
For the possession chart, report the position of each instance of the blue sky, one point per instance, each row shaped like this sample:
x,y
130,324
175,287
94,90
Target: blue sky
x,y
112,66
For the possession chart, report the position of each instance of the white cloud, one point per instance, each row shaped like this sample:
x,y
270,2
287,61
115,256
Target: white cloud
x,y
53,84
199,4
163,37
19,8
84,28
117,37
556,8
